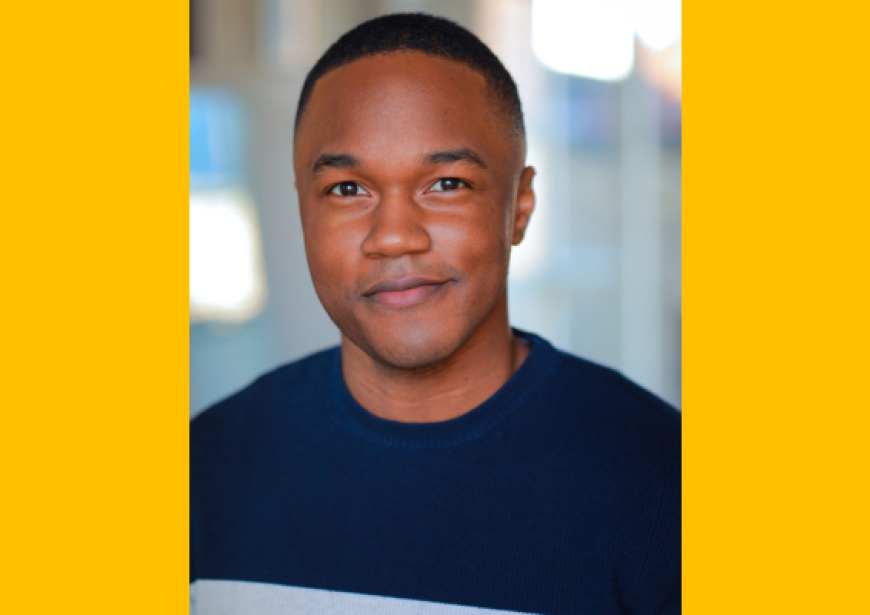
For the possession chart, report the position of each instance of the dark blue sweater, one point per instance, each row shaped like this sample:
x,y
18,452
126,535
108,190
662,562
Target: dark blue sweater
x,y
559,494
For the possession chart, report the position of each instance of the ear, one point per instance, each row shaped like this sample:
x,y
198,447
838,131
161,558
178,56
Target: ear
x,y
525,205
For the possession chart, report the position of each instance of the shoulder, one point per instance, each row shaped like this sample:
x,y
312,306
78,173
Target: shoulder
x,y
596,412
602,389
635,447
284,394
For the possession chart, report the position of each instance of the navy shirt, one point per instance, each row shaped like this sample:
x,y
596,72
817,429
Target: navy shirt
x,y
559,494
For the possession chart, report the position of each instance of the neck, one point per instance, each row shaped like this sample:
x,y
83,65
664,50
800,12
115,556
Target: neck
x,y
441,391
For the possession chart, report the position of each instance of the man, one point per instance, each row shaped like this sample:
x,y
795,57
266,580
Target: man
x,y
438,461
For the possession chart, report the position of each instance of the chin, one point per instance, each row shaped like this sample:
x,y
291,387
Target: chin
x,y
420,338
414,348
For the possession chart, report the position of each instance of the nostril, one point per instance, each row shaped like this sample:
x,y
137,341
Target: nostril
x,y
396,229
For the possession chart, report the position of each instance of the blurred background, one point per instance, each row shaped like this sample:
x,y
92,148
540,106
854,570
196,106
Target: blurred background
x,y
599,272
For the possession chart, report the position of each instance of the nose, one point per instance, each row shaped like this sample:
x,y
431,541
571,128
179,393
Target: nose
x,y
397,228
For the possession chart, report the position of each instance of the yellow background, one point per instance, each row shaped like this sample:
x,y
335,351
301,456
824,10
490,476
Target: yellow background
x,y
93,441
93,438
775,404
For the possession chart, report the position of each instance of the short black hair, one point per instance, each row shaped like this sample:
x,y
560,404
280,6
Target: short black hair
x,y
423,33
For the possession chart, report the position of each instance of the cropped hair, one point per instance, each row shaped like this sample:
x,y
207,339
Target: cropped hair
x,y
422,33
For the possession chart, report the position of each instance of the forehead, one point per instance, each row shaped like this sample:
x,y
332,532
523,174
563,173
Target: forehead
x,y
387,104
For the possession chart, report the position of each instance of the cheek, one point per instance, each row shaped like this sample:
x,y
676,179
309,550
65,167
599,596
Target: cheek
x,y
477,242
330,249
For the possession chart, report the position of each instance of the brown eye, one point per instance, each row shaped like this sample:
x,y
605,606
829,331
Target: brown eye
x,y
448,184
347,189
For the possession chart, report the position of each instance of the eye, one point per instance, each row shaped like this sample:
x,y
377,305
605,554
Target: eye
x,y
447,184
347,189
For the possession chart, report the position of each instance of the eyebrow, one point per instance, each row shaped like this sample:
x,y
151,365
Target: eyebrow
x,y
346,161
459,154
334,161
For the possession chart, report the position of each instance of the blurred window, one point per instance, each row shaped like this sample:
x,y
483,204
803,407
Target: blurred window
x,y
227,283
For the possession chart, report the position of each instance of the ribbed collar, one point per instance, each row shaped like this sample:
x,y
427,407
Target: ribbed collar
x,y
541,362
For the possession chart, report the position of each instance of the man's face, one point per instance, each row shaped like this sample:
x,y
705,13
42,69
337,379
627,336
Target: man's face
x,y
411,191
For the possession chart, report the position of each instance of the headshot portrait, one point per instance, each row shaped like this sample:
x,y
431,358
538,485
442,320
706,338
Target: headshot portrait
x,y
435,308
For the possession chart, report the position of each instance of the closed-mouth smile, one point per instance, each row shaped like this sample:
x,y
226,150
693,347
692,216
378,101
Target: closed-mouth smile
x,y
403,292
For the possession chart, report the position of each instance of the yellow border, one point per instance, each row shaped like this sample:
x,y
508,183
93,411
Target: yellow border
x,y
775,267
93,442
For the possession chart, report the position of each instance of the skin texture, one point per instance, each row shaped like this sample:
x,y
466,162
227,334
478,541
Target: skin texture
x,y
412,190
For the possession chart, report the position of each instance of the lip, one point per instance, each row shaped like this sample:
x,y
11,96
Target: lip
x,y
404,292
